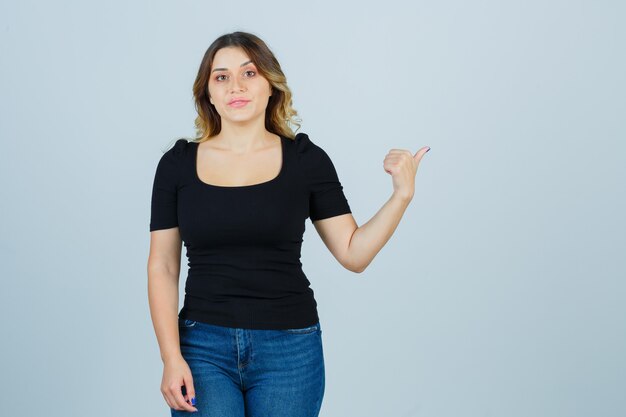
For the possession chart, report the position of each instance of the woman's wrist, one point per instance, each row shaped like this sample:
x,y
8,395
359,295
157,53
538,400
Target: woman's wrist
x,y
171,356
402,197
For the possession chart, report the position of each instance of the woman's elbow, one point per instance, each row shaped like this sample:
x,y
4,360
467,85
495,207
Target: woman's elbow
x,y
356,268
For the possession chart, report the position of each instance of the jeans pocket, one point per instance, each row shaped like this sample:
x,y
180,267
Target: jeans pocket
x,y
186,323
304,330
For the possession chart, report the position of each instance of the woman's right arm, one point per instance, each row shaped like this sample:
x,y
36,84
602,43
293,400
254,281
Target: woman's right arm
x,y
163,276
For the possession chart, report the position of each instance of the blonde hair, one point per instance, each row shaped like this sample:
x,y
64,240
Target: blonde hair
x,y
279,115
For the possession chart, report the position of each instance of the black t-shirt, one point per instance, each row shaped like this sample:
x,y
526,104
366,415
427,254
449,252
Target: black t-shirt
x,y
243,243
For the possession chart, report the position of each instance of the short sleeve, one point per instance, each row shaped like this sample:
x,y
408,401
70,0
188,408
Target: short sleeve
x,y
164,204
326,196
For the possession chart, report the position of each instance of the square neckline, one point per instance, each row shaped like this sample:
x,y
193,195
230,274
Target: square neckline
x,y
259,184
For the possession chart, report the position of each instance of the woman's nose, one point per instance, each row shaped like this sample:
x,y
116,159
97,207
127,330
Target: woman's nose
x,y
236,86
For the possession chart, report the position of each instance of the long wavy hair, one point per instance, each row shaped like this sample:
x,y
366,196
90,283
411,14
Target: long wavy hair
x,y
279,115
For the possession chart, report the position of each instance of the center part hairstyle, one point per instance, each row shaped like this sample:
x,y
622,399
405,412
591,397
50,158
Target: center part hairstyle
x,y
279,115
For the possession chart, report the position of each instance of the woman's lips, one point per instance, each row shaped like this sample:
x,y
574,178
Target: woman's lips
x,y
238,103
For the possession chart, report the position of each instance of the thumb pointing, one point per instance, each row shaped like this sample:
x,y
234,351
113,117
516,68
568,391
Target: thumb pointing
x,y
419,154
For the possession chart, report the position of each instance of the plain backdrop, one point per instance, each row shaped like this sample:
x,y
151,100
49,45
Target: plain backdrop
x,y
501,293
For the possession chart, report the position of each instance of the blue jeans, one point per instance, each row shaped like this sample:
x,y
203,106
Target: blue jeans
x,y
253,373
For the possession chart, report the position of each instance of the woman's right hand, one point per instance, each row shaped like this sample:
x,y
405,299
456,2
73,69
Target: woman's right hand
x,y
176,373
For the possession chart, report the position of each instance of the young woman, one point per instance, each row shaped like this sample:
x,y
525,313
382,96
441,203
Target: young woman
x,y
248,341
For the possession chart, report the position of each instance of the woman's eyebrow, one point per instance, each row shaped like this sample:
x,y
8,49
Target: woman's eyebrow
x,y
225,69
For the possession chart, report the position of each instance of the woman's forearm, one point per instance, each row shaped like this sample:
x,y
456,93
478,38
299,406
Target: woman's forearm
x,y
163,300
370,237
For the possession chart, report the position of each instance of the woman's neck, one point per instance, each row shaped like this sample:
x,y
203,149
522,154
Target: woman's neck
x,y
242,139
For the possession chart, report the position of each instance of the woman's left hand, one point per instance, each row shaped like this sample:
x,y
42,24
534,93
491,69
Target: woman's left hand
x,y
402,165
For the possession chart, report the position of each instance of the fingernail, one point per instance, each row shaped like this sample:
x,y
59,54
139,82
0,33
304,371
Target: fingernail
x,y
428,149
193,401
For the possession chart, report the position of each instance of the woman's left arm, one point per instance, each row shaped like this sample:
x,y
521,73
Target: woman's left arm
x,y
356,246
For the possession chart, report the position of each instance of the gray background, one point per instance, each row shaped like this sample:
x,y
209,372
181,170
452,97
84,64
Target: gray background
x,y
502,291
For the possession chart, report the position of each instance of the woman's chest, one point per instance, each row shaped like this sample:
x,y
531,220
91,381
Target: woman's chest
x,y
254,215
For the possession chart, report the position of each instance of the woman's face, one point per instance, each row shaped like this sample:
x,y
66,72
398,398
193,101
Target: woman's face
x,y
236,89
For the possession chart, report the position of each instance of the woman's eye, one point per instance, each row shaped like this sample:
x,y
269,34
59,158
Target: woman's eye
x,y
218,77
251,71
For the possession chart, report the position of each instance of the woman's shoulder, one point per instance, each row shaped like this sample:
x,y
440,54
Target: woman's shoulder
x,y
177,150
313,160
180,147
172,157
305,147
